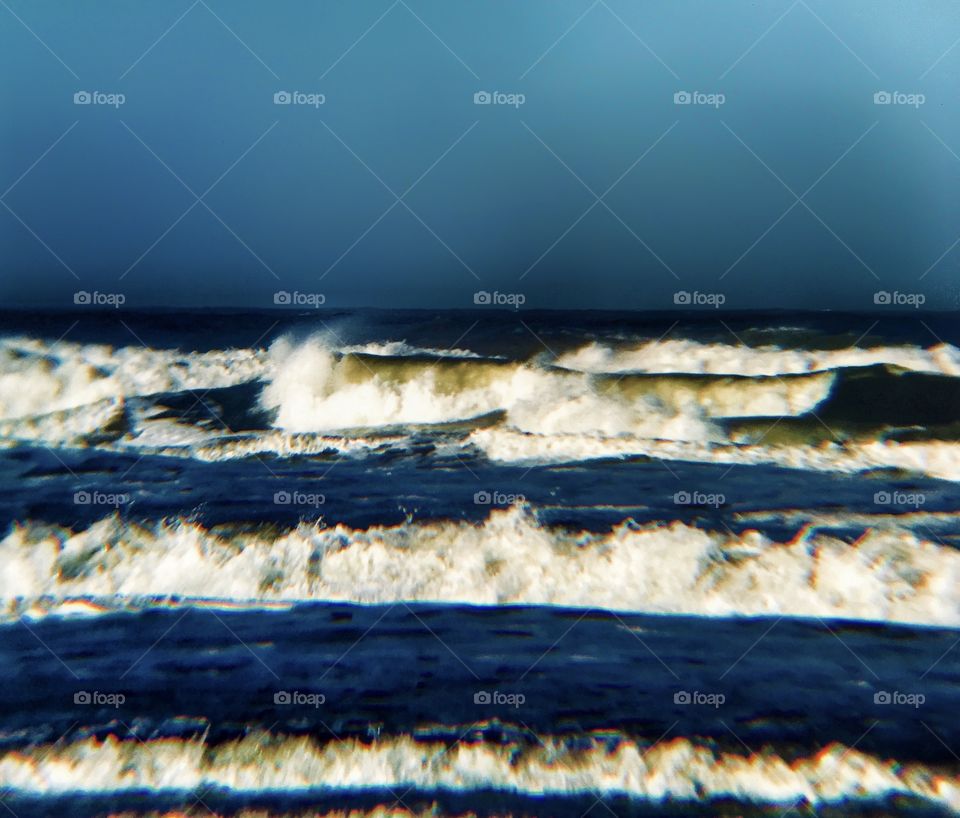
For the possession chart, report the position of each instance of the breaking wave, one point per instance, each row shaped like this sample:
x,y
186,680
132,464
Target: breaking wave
x,y
840,410
935,458
314,389
681,768
400,349
39,378
889,574
686,356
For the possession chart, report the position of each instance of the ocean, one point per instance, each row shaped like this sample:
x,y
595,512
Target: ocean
x,y
489,562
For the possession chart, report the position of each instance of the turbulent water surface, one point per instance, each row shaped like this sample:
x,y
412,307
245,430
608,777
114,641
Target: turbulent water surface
x,y
479,564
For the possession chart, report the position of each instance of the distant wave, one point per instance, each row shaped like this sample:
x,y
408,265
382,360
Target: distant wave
x,y
681,769
889,574
400,349
933,457
687,356
884,407
39,378
559,413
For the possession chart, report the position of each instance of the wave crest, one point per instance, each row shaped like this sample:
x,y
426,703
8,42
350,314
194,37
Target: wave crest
x,y
887,575
314,389
687,356
681,768
38,378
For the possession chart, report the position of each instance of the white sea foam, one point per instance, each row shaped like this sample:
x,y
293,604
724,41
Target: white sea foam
x,y
934,458
66,426
66,394
38,378
231,447
401,349
940,459
680,768
888,575
314,390
686,356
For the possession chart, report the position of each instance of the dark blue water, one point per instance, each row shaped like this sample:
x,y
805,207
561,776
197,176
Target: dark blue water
x,y
393,486
786,685
792,684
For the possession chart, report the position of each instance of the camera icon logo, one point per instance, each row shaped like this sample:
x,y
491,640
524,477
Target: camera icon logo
x,y
282,498
482,98
282,98
882,498
882,98
881,697
81,297
82,98
682,98
482,297
681,697
281,697
81,697
281,297
81,498
681,297
481,697
482,498
882,297
682,498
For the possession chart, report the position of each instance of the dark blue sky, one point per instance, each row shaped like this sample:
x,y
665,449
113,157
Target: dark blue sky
x,y
103,197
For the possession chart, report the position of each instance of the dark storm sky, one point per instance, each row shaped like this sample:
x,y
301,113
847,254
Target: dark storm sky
x,y
400,191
